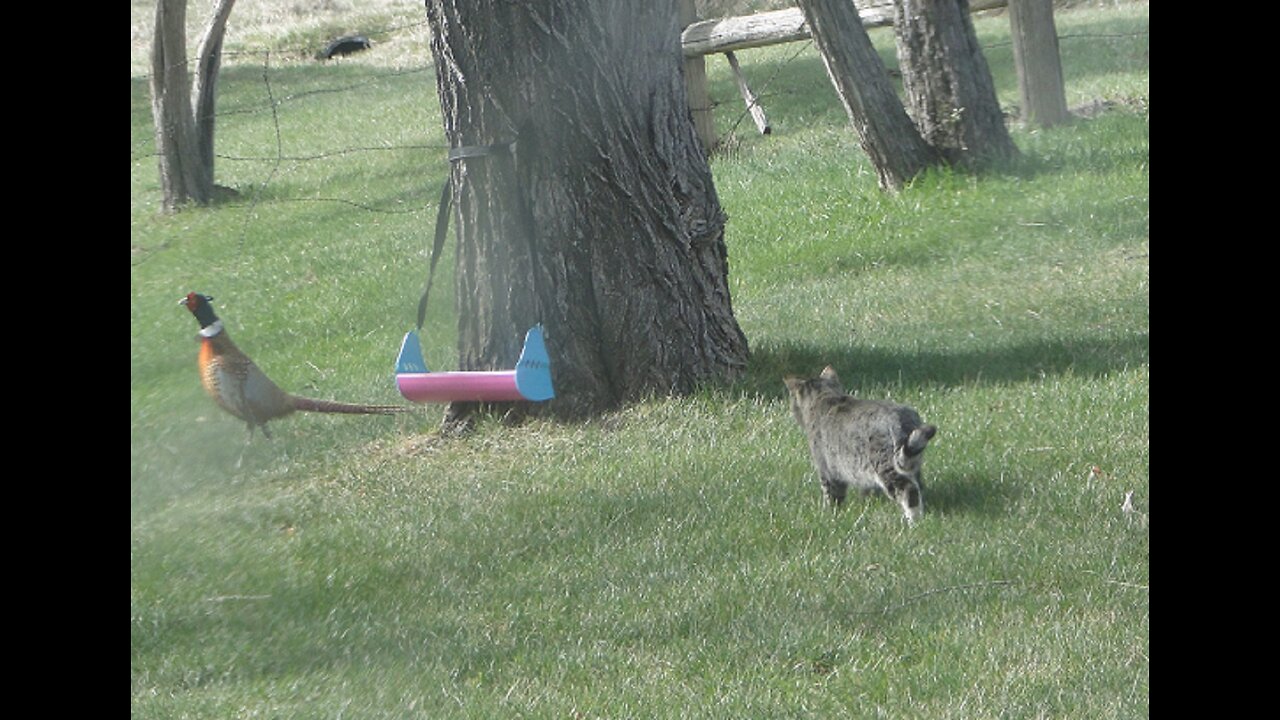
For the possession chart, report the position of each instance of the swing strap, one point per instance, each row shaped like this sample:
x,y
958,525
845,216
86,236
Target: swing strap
x,y
443,211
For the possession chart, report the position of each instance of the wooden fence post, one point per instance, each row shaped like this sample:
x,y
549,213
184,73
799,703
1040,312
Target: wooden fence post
x,y
695,78
753,102
1035,54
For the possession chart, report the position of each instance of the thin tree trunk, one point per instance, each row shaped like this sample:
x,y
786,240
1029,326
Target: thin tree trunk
x,y
1035,53
184,134
208,63
181,179
600,221
886,132
948,85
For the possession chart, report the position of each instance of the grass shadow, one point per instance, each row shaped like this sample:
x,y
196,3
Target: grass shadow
x,y
944,494
949,494
1091,357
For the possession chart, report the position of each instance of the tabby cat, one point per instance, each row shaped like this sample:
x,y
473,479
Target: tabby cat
x,y
867,444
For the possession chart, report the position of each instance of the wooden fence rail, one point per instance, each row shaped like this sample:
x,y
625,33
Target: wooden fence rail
x,y
727,34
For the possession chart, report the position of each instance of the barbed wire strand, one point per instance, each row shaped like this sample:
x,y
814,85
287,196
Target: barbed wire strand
x,y
274,104
275,166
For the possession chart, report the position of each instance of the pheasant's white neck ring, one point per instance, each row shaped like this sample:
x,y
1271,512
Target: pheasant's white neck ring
x,y
211,330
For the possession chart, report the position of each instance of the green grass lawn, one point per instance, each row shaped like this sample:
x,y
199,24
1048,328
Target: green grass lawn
x,y
671,559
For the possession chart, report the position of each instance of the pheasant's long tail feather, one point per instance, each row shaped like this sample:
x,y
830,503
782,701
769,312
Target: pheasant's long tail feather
x,y
329,406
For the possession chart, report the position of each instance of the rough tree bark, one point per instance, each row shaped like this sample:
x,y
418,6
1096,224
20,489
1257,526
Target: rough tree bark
x,y
593,210
171,111
948,85
1035,53
184,133
886,132
205,85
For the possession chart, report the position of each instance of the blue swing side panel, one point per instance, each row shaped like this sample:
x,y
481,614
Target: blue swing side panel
x,y
410,358
533,370
531,380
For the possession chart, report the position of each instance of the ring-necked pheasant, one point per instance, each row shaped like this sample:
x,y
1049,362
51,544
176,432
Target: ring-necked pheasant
x,y
237,385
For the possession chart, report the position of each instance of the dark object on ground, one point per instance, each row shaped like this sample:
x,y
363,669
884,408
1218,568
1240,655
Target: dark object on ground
x,y
344,45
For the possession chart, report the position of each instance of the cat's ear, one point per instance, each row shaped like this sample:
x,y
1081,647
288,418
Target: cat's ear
x,y
792,382
829,373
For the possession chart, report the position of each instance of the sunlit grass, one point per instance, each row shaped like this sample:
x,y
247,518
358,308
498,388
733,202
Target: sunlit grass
x,y
671,559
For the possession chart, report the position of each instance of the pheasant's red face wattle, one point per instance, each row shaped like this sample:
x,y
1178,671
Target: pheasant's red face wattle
x,y
195,302
199,306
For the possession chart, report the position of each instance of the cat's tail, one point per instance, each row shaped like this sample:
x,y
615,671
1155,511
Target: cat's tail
x,y
918,439
907,459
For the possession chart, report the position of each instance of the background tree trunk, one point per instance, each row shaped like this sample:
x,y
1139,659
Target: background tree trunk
x,y
180,175
948,84
1035,53
601,221
861,80
184,134
208,63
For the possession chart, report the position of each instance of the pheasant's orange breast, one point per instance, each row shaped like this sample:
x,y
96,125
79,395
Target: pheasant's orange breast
x,y
209,374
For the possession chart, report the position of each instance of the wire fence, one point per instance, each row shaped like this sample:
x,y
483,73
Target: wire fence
x,y
277,107
277,101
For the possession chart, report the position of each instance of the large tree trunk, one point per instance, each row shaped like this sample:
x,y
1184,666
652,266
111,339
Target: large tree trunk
x,y
948,85
888,136
184,134
1035,52
600,221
